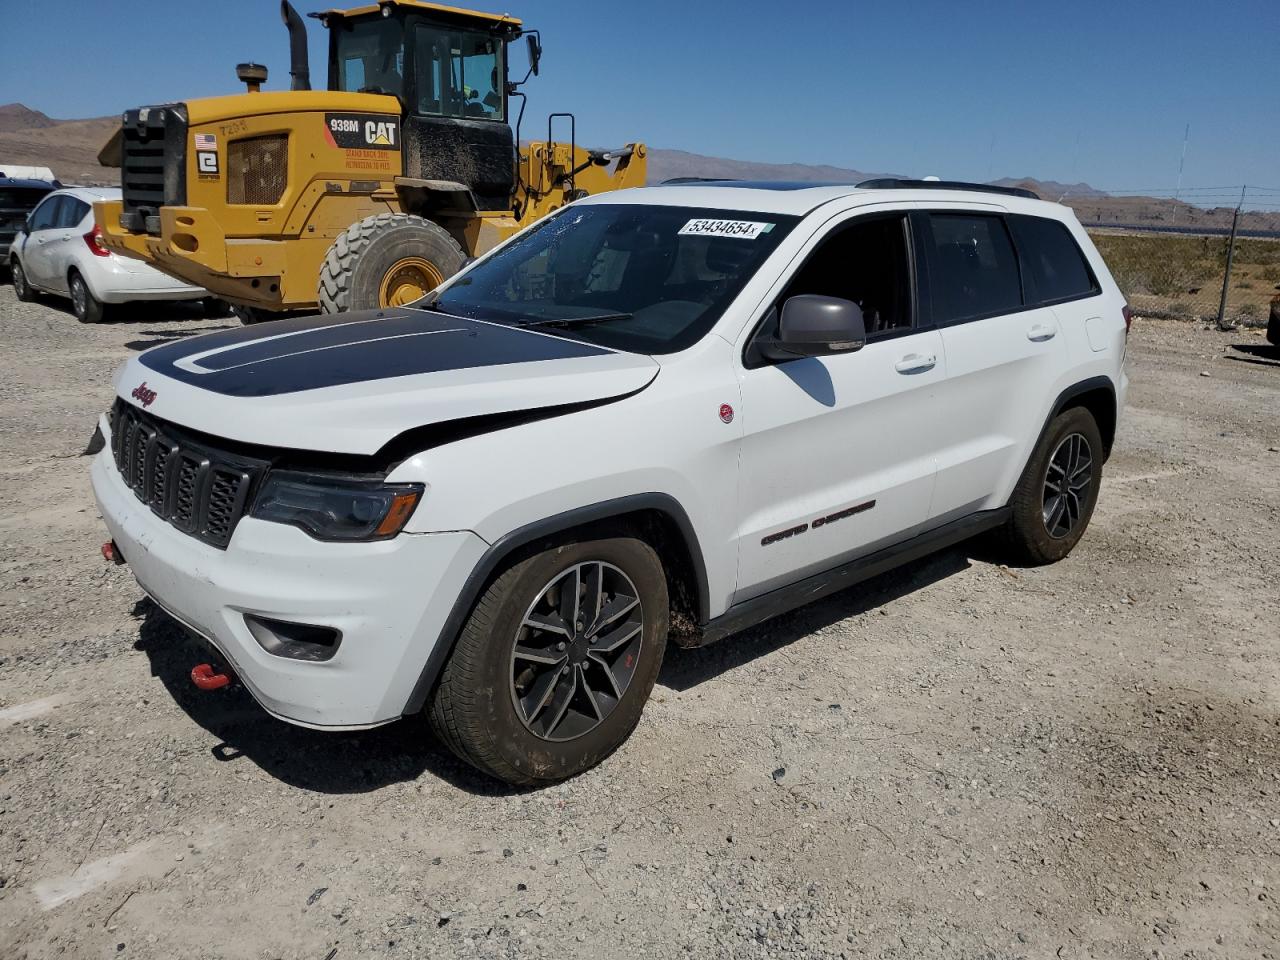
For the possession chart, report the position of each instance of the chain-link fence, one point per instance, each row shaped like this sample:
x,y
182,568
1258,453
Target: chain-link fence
x,y
1168,275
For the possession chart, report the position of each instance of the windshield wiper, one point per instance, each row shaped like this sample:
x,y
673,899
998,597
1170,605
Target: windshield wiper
x,y
576,321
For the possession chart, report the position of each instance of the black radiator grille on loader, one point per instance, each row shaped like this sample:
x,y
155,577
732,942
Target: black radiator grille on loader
x,y
153,164
199,490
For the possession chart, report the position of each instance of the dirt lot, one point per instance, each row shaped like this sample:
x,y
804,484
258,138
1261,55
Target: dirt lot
x,y
958,760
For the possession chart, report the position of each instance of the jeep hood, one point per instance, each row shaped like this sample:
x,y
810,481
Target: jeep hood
x,y
350,383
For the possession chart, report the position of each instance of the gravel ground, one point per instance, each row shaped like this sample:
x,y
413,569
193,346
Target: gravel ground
x,y
956,760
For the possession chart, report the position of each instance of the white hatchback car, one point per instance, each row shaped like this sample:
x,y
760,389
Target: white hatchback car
x,y
661,413
60,251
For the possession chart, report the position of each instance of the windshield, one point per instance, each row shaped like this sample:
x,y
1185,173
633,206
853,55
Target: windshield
x,y
370,55
638,278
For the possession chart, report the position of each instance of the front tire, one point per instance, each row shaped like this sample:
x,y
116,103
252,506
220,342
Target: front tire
x,y
21,286
87,307
553,668
387,260
1056,495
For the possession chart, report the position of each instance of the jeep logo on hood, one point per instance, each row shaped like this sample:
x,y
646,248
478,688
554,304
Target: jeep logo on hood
x,y
143,395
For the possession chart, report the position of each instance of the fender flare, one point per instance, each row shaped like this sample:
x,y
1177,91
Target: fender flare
x,y
1063,401
545,529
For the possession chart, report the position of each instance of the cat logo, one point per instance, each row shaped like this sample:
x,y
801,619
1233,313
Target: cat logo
x,y
354,131
380,134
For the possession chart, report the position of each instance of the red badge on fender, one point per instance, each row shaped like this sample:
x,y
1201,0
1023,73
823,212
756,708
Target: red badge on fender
x,y
726,413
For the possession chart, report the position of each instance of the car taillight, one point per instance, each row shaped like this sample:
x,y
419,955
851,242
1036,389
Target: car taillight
x,y
1128,318
94,239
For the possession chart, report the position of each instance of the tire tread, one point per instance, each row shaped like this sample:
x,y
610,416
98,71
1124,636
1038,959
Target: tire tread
x,y
336,272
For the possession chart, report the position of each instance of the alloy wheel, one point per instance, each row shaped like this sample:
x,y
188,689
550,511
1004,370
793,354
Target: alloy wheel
x,y
79,297
576,651
1066,485
19,281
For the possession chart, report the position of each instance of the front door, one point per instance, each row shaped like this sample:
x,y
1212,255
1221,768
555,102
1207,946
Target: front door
x,y
837,454
38,248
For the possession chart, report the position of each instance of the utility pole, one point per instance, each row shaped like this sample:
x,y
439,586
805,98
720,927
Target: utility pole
x,y
1186,135
1226,275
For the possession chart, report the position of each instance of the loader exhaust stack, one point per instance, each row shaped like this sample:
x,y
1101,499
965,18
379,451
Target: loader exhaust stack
x,y
299,67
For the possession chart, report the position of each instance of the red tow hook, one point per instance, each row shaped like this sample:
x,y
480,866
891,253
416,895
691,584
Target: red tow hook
x,y
204,677
112,553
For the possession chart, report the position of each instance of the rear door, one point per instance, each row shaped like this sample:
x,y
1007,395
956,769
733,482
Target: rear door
x,y
1003,351
41,227
836,454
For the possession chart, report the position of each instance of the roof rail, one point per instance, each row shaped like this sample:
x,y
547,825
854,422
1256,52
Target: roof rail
x,y
892,183
674,180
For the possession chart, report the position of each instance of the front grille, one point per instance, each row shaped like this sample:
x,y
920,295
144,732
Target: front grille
x,y
200,490
257,169
153,168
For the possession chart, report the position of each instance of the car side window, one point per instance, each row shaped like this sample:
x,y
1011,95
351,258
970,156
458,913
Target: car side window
x,y
45,216
1053,268
865,261
973,269
71,212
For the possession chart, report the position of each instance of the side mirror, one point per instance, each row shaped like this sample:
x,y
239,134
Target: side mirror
x,y
535,51
814,326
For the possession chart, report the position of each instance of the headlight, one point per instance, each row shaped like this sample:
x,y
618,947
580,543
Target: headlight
x,y
333,509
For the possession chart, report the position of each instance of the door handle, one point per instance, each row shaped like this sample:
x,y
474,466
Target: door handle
x,y
916,363
1041,332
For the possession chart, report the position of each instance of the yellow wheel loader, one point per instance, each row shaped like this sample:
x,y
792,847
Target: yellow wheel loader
x,y
364,195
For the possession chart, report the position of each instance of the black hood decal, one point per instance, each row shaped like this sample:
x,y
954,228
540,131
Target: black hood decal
x,y
307,353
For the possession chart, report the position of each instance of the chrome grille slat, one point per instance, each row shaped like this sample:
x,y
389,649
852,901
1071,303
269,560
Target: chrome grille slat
x,y
201,491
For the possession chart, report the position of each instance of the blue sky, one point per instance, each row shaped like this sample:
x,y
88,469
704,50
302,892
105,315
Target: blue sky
x,y
1081,90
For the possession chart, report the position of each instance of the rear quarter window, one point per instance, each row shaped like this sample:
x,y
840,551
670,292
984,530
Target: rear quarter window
x,y
1053,267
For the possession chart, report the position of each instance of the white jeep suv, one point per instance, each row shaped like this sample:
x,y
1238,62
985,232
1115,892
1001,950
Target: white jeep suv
x,y
660,414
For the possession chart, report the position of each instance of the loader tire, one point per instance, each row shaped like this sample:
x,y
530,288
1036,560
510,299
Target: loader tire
x,y
386,260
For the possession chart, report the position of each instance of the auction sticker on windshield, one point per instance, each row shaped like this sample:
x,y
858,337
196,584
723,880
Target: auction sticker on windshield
x,y
744,229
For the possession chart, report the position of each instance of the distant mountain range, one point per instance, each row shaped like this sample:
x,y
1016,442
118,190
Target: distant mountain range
x,y
70,148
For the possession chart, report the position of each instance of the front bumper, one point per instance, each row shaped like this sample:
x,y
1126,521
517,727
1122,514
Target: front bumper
x,y
389,600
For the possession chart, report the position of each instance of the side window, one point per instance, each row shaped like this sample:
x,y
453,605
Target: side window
x,y
72,212
974,271
45,216
459,73
866,262
1053,268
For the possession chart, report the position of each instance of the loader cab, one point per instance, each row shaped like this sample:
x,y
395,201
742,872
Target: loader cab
x,y
448,69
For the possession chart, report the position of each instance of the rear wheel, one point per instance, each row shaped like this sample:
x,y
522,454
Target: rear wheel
x,y
1055,497
214,307
21,288
556,662
87,307
386,261
252,315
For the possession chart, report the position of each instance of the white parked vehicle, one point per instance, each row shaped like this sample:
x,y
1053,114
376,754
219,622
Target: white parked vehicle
x,y
60,251
669,412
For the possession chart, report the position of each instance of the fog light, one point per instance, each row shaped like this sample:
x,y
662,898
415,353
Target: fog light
x,y
294,641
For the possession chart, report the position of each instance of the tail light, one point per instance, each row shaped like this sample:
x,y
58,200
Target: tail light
x,y
94,240
1128,318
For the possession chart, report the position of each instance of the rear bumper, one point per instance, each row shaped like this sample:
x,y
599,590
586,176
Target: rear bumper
x,y
192,245
154,293
389,600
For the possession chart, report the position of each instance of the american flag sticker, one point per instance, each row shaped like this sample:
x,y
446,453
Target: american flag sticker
x,y
206,141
